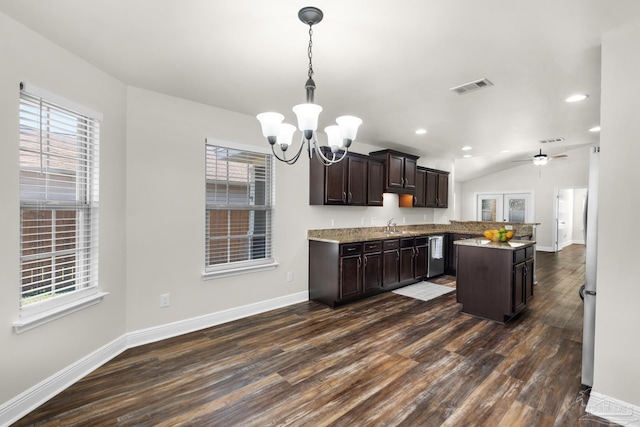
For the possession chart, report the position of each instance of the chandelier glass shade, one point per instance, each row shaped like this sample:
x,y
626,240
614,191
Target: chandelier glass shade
x,y
280,135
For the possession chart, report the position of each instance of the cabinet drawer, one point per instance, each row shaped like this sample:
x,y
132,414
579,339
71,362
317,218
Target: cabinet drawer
x,y
351,249
391,244
519,255
373,246
529,252
421,241
407,243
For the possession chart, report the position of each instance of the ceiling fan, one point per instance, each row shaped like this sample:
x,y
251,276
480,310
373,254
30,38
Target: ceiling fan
x,y
541,159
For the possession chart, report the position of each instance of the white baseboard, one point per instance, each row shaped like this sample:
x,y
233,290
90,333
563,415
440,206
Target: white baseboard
x,y
26,402
544,248
613,410
157,333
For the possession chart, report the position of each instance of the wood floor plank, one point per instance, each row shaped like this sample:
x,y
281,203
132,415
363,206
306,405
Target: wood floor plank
x,y
388,360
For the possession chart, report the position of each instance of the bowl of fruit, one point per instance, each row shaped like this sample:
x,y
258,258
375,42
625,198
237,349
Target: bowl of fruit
x,y
499,235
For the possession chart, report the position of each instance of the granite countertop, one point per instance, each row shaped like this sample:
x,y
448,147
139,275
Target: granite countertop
x,y
511,245
363,234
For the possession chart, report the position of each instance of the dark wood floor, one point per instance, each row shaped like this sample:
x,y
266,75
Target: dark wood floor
x,y
386,361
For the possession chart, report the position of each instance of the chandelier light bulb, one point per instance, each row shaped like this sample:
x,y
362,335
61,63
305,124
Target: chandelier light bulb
x,y
270,123
348,128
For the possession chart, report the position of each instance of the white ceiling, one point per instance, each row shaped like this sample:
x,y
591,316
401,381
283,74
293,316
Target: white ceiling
x,y
391,63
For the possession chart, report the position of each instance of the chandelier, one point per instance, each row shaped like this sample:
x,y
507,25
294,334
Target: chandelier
x,y
339,136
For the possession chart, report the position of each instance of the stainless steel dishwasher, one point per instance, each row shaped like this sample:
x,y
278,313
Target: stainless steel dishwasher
x,y
435,265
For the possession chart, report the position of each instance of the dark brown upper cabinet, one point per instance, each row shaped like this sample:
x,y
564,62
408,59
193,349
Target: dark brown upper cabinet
x,y
436,189
432,189
400,171
342,183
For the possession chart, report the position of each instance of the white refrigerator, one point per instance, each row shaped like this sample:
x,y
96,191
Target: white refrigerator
x,y
588,291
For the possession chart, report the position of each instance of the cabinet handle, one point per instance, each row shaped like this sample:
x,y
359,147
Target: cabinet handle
x,y
365,260
415,200
359,261
350,197
344,197
397,255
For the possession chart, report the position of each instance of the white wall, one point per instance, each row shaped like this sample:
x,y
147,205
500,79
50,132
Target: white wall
x,y
616,370
32,356
570,172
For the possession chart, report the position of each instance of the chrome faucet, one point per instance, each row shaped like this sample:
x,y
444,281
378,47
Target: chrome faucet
x,y
389,224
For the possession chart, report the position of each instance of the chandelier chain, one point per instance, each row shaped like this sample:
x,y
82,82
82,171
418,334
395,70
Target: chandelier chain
x,y
310,53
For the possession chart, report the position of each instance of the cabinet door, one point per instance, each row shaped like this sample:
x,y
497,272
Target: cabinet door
x,y
528,280
335,185
518,294
443,190
421,181
407,270
395,171
390,267
350,276
422,257
372,271
431,189
357,181
410,168
375,183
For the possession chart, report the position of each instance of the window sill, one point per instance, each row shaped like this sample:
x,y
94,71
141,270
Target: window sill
x,y
22,325
208,275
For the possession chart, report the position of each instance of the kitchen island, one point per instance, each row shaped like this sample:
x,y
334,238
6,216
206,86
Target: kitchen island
x,y
494,279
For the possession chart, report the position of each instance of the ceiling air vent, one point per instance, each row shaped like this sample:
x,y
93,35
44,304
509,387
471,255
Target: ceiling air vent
x,y
471,86
552,140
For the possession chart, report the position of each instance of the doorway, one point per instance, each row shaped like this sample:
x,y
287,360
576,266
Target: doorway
x,y
505,207
569,217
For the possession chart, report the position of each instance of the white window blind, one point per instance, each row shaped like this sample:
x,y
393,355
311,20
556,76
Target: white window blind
x,y
239,208
58,204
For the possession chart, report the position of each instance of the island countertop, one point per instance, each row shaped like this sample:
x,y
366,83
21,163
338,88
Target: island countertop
x,y
511,245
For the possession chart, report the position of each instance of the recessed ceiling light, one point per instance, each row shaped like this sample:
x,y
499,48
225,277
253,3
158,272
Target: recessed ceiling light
x,y
466,156
577,97
595,129
466,148
421,131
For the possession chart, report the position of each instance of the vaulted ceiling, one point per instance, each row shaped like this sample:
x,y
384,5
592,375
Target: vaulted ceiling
x,y
391,63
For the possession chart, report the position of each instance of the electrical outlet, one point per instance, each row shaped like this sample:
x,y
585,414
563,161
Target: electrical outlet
x,y
508,227
289,276
362,221
333,222
164,300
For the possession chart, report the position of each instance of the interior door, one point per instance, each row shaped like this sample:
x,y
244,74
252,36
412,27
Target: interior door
x,y
507,207
489,207
517,207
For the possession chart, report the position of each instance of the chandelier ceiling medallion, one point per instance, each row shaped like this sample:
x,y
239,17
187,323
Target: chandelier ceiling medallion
x,y
340,136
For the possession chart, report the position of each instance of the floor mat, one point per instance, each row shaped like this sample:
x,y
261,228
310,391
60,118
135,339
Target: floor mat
x,y
424,291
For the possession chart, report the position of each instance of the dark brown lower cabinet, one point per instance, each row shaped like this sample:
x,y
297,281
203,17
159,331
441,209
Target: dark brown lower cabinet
x,y
372,266
390,263
494,283
422,257
407,259
350,276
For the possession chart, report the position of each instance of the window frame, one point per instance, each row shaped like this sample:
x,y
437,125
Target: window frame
x,y
40,106
232,268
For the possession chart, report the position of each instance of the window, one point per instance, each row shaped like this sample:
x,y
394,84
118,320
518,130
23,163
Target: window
x,y
239,209
58,202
